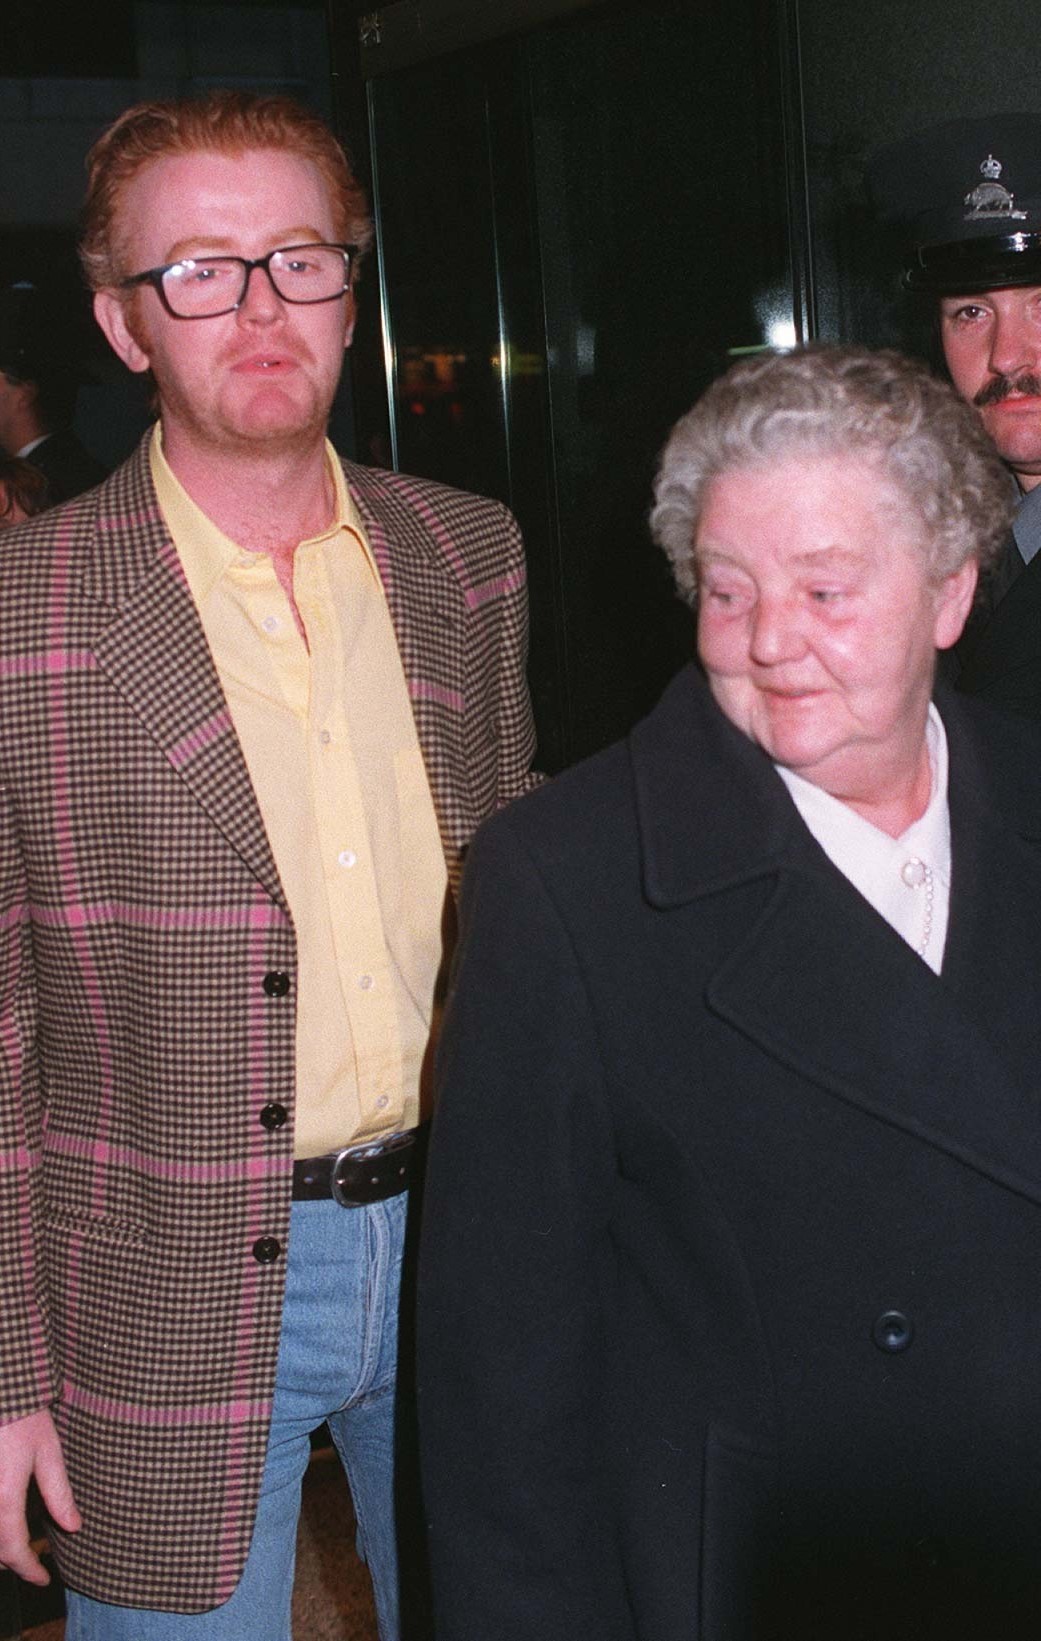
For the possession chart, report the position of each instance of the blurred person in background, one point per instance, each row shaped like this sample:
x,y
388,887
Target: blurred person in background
x,y
38,380
23,490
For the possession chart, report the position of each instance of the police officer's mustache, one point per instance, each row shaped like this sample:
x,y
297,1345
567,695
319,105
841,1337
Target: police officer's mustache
x,y
1003,387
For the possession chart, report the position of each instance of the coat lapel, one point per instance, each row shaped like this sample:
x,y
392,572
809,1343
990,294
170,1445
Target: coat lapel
x,y
823,985
150,644
992,961
827,988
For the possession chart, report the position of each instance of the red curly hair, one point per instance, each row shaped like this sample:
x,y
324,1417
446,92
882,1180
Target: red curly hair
x,y
227,122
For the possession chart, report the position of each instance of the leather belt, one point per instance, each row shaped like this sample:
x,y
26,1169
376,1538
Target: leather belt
x,y
361,1174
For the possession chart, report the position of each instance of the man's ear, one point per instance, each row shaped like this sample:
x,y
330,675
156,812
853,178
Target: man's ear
x,y
110,311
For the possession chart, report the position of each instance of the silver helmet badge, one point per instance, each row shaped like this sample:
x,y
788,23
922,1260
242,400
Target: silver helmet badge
x,y
989,198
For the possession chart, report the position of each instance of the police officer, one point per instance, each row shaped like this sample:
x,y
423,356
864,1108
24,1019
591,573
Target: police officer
x,y
967,197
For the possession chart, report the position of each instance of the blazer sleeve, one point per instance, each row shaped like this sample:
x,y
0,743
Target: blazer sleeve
x,y
515,724
25,1370
515,1258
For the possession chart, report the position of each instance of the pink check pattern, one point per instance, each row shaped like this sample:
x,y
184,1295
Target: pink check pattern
x,y
140,910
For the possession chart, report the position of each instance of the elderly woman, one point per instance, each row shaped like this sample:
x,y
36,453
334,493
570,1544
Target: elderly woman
x,y
730,1315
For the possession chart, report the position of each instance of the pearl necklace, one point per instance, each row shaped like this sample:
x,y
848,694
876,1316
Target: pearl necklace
x,y
915,874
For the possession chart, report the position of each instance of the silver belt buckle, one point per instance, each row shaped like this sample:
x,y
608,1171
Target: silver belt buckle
x,y
401,1141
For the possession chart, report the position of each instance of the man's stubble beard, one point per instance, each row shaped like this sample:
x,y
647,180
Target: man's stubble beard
x,y
223,437
170,403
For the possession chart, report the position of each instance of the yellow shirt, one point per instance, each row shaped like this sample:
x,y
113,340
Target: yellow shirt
x,y
327,731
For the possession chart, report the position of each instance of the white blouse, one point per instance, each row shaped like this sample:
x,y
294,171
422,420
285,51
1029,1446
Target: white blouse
x,y
906,879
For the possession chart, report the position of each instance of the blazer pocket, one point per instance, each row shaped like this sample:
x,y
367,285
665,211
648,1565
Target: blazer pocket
x,y
106,1228
737,1534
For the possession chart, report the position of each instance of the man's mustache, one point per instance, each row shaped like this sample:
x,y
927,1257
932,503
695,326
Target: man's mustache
x,y
1003,387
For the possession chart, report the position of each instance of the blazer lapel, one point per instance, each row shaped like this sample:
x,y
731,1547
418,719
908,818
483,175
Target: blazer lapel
x,y
824,985
150,644
428,611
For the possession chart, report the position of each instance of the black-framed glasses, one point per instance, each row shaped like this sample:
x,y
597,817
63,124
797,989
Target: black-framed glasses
x,y
204,287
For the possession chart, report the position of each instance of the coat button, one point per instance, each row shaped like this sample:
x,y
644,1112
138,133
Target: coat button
x,y
276,984
265,1249
893,1331
273,1116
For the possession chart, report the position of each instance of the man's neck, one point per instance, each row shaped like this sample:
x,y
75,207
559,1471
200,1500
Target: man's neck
x,y
266,501
22,429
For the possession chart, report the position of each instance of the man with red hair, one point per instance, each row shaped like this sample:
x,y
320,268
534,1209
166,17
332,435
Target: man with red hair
x,y
253,702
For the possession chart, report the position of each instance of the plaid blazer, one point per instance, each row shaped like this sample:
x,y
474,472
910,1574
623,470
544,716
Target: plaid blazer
x,y
140,910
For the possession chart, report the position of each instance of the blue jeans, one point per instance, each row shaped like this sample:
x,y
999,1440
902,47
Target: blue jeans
x,y
336,1361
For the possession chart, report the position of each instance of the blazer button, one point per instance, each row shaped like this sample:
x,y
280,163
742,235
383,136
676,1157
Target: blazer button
x,y
273,1116
276,984
893,1331
265,1249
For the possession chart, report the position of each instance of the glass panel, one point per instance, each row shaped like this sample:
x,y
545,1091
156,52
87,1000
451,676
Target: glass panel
x,y
661,219
437,246
578,227
462,305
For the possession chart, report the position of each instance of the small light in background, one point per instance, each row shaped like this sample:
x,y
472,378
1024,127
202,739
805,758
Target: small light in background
x,y
773,310
781,334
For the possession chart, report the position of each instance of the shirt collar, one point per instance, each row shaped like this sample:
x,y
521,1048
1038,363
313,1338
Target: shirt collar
x,y
206,553
884,869
34,444
859,848
1026,525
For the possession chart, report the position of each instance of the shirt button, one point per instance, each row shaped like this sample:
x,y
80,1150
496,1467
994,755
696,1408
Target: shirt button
x,y
325,737
382,1103
271,623
266,1249
273,1116
276,984
913,873
366,982
347,857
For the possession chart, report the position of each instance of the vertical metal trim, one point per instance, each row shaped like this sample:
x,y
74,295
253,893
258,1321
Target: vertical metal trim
x,y
500,302
797,178
565,711
390,368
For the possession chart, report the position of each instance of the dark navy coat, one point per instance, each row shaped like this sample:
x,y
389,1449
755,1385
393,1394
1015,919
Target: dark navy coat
x,y
730,1311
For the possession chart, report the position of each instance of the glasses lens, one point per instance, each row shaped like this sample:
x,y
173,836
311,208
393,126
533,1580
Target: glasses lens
x,y
309,273
195,289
